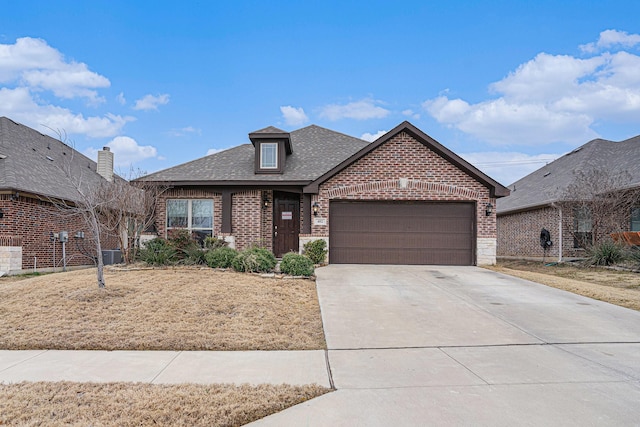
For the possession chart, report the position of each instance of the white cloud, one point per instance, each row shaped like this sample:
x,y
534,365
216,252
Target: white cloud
x,y
293,116
121,99
551,98
508,167
360,110
410,113
19,105
185,131
612,38
372,136
126,151
33,63
150,102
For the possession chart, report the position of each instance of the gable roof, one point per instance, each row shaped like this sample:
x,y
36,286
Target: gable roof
x,y
316,150
34,163
550,183
496,189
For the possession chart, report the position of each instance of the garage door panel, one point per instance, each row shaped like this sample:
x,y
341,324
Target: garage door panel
x,y
402,232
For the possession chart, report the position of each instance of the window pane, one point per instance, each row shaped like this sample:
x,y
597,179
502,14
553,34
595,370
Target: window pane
x,y
177,211
202,213
635,219
582,219
268,155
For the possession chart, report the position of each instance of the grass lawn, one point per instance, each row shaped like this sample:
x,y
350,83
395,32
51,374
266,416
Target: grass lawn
x,y
126,404
613,286
154,309
159,309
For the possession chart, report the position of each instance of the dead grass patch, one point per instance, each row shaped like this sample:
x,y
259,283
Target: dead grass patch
x,y
127,404
616,287
160,309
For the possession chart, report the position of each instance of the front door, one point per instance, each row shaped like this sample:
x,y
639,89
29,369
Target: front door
x,y
286,223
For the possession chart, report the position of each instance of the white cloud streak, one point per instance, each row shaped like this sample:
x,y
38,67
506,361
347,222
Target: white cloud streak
x,y
151,102
126,151
364,109
612,38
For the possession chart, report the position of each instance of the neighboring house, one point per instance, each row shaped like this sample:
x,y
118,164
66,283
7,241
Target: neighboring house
x,y
32,178
402,199
543,199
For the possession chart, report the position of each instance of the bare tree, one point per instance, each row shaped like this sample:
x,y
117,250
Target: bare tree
x,y
132,211
601,202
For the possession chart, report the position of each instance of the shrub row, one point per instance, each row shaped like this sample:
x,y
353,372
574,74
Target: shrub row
x,y
182,248
609,252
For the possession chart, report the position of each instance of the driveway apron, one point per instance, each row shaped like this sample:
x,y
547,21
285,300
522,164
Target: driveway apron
x,y
432,345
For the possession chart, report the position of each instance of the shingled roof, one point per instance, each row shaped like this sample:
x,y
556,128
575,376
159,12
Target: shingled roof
x,y
549,183
31,162
315,151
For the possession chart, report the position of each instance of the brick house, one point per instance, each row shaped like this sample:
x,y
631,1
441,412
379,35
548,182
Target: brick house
x,y
402,199
543,199
31,179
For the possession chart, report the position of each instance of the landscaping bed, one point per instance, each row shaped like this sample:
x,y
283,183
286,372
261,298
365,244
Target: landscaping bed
x,y
611,285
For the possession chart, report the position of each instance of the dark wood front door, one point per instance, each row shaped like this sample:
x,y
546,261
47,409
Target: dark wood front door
x,y
286,223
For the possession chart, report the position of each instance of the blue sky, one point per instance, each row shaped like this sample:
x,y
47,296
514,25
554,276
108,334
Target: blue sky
x,y
509,85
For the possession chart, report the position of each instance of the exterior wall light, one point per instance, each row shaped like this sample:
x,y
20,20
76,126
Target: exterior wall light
x,y
315,207
488,209
265,201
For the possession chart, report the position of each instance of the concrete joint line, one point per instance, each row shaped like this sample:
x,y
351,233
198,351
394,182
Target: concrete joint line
x,y
165,368
465,367
329,373
25,360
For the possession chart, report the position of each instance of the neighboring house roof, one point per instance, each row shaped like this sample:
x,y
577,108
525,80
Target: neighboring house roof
x,y
549,184
315,151
497,190
34,163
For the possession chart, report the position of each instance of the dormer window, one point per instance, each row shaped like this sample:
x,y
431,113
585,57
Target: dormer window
x,y
269,155
272,146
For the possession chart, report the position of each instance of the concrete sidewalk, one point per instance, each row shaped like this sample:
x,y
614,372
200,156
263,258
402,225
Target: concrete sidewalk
x,y
166,367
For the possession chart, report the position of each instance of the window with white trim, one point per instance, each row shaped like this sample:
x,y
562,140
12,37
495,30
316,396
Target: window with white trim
x,y
269,155
635,219
196,215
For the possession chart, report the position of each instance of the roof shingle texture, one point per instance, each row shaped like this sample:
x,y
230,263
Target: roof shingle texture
x,y
316,150
36,163
550,183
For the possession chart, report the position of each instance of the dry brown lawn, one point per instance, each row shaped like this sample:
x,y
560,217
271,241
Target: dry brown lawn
x,y
613,286
159,309
126,404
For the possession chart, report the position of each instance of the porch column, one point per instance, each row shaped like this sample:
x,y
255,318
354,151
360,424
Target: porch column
x,y
306,210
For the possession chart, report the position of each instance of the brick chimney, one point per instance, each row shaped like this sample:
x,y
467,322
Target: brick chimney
x,y
105,163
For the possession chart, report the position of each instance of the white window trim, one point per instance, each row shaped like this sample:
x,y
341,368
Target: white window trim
x,y
271,144
190,217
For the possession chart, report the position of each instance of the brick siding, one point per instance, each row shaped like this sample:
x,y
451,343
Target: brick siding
x,y
30,222
405,169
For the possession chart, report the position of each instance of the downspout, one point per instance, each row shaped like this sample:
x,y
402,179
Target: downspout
x,y
559,231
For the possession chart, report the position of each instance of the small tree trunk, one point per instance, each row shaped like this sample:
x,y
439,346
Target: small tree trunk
x,y
100,270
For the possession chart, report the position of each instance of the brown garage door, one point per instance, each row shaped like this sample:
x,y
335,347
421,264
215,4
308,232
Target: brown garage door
x,y
401,233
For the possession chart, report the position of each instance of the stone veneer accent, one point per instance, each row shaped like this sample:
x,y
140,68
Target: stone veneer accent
x,y
486,251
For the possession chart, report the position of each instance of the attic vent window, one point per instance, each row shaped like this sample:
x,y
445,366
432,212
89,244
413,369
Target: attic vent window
x,y
269,155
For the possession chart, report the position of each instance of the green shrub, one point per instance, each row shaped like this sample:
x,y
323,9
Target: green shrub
x,y
633,255
254,260
296,265
316,250
193,255
158,252
214,243
221,257
607,252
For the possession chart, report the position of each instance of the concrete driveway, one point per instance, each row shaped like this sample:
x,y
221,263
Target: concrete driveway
x,y
427,345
